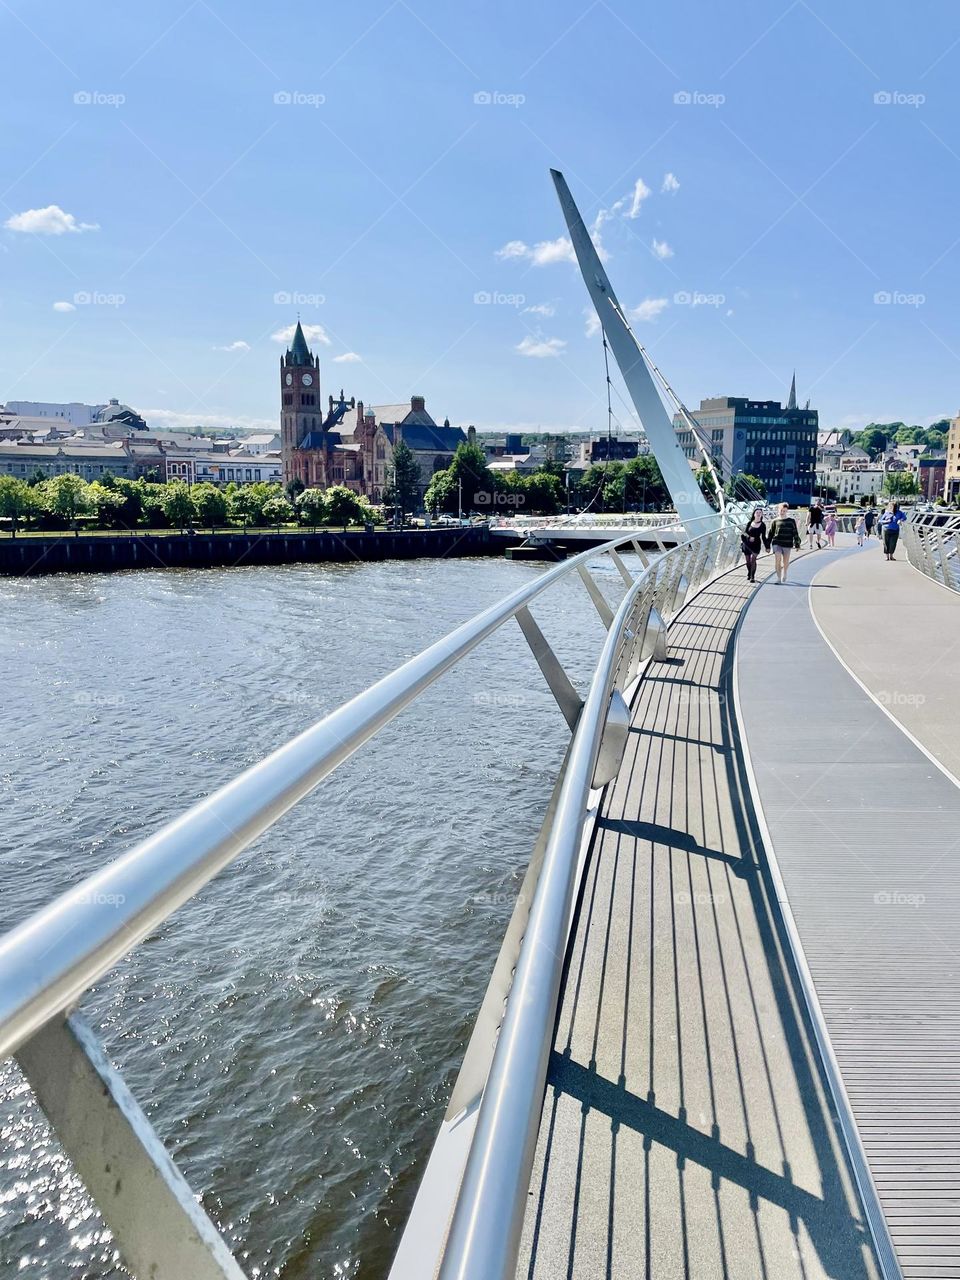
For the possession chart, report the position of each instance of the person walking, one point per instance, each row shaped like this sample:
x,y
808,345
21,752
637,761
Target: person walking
x,y
783,537
890,523
752,540
814,523
861,528
870,519
830,528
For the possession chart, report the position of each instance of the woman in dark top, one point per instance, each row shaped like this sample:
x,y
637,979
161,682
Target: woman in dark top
x,y
751,542
784,537
815,523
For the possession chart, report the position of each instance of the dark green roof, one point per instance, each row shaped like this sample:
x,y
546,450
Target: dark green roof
x,y
299,352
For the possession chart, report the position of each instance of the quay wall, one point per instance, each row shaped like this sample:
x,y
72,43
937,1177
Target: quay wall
x,y
63,553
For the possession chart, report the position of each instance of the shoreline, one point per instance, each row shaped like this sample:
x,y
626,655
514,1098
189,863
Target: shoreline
x,y
64,553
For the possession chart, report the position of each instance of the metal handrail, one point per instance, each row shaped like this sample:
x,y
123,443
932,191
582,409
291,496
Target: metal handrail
x,y
484,1236
932,543
48,961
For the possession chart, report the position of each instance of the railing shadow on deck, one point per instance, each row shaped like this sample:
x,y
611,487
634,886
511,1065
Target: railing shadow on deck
x,y
841,1255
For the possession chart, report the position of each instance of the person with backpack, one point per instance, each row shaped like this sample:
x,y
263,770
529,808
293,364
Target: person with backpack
x,y
752,540
783,537
870,520
890,523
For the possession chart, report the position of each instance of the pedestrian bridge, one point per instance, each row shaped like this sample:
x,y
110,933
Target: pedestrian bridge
x,y
720,1039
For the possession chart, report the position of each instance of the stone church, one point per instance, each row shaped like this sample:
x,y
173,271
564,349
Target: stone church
x,y
350,444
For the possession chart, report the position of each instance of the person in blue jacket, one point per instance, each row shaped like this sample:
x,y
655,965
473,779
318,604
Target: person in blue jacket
x,y
890,523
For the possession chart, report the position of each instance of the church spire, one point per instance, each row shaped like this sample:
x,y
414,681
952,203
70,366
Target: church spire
x,y
792,402
299,353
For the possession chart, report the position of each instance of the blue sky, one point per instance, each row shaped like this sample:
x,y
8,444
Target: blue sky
x,y
178,173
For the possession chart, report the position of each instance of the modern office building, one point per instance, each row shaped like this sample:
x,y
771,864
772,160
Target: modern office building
x,y
760,438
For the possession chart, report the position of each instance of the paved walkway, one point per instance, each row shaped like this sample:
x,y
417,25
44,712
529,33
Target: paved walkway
x,y
900,634
866,831
686,1133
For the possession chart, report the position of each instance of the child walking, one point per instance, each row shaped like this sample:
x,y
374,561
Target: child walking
x,y
830,528
861,529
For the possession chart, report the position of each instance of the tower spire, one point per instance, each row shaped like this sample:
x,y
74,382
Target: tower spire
x,y
792,402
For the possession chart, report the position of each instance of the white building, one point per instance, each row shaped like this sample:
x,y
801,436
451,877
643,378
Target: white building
x,y
851,483
75,414
260,443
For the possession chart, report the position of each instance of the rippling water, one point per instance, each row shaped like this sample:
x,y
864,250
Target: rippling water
x,y
292,1032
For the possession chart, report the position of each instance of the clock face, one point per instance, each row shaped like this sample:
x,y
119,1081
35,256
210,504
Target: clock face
x,y
289,379
308,379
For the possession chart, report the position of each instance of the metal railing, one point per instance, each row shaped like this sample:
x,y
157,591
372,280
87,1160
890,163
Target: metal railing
x,y
484,1237
51,959
932,544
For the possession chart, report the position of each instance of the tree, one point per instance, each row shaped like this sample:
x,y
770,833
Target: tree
x,y
645,485
744,487
278,511
151,502
467,482
294,489
403,491
873,440
244,506
312,507
343,506
177,504
66,497
104,501
900,484
210,504
708,486
17,501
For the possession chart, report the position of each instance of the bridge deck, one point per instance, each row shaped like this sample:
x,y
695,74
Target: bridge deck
x,y
866,831
686,1128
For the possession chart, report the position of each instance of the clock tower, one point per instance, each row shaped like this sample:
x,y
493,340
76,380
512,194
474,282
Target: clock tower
x,y
300,411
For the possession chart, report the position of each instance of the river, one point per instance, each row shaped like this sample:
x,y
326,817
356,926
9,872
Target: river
x,y
294,1031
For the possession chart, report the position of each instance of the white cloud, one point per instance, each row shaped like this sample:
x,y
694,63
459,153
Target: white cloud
x,y
670,184
542,254
239,345
640,193
174,420
548,251
541,309
64,306
661,249
540,347
51,221
648,309
592,327
348,357
312,333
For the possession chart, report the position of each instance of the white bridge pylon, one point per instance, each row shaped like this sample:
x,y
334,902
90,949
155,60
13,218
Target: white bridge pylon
x,y
689,501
